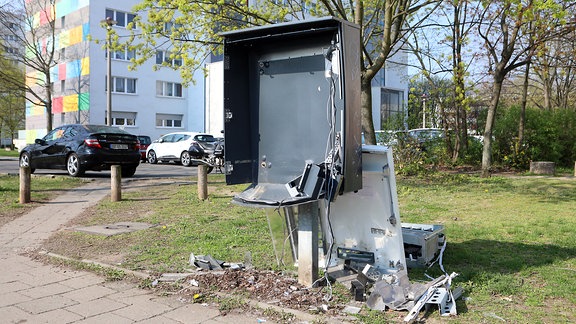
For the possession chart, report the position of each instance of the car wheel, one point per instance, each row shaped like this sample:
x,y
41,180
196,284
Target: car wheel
x,y
128,171
185,159
73,165
152,159
25,161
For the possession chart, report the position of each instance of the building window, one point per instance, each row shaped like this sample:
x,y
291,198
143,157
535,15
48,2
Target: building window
x,y
62,86
391,104
62,21
122,118
168,121
123,85
63,54
125,55
164,57
168,89
122,18
11,50
169,26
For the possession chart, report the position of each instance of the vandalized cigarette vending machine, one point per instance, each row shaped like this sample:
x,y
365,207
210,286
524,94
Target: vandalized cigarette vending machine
x,y
293,133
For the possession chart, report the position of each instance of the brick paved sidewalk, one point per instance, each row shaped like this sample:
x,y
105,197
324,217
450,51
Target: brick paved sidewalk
x,y
33,292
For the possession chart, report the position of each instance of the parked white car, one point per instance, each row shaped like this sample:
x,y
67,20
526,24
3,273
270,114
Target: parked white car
x,y
172,147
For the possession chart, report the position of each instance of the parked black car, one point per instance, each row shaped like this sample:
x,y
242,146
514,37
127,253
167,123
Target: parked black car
x,y
78,148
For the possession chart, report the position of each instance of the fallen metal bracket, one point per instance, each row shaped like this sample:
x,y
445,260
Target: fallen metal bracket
x,y
438,296
441,298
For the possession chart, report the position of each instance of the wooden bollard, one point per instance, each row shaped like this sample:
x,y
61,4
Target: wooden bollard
x,y
202,182
24,185
116,183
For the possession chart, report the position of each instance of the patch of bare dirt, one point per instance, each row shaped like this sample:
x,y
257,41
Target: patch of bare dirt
x,y
266,286
272,288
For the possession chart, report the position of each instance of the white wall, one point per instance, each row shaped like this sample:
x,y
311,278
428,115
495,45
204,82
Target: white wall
x,y
215,98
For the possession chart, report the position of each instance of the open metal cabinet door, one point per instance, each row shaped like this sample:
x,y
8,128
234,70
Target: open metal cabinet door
x,y
240,126
292,105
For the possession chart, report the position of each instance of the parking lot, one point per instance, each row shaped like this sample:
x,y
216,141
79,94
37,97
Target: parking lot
x,y
144,170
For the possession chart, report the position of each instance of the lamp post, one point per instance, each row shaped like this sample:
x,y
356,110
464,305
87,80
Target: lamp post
x,y
424,97
108,23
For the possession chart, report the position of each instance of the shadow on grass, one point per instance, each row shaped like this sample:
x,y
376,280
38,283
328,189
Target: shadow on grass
x,y
499,268
478,257
144,199
544,190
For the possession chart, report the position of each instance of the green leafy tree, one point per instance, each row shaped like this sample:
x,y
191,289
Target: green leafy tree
x,y
39,53
189,29
510,44
451,25
11,99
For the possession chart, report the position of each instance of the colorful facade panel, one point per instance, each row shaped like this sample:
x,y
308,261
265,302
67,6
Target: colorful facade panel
x,y
57,105
84,101
65,7
34,109
61,71
71,103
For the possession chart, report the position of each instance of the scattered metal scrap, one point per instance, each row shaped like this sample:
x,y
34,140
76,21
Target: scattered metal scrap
x,y
394,290
440,295
207,262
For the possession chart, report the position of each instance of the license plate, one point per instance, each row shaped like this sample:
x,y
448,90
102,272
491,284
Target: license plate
x,y
119,146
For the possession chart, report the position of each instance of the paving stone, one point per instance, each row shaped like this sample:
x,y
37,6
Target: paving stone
x,y
89,293
193,313
85,280
12,298
13,286
56,316
13,314
46,290
41,305
96,307
124,288
159,320
16,276
105,318
142,307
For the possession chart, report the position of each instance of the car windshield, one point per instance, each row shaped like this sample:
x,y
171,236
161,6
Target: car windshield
x,y
103,129
205,138
144,140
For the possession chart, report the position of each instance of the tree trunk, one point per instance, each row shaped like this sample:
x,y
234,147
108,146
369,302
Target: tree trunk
x,y
366,107
444,121
487,149
48,105
522,121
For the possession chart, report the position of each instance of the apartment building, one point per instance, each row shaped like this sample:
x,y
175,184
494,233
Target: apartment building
x,y
145,101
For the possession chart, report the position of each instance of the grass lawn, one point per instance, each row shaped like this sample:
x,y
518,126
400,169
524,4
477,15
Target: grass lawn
x,y
43,188
10,153
511,239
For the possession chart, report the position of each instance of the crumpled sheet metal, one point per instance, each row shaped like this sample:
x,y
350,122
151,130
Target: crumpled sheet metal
x,y
396,294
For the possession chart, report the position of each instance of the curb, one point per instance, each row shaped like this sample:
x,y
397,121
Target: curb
x,y
303,317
